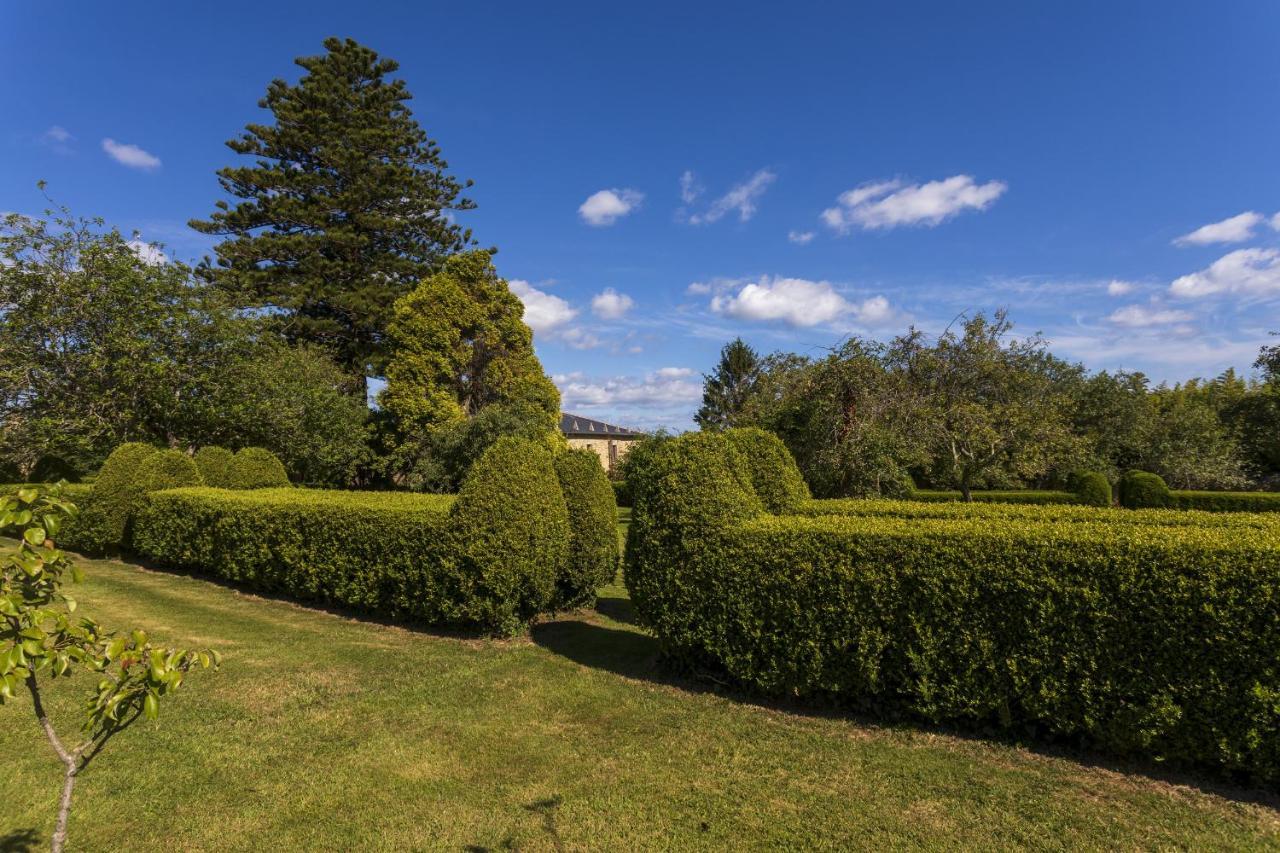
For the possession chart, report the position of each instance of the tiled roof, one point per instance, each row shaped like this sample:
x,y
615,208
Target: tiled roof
x,y
577,425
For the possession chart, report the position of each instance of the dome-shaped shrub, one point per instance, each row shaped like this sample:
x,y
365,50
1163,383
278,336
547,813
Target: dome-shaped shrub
x,y
216,464
773,472
101,525
1092,488
256,468
1143,490
593,528
168,469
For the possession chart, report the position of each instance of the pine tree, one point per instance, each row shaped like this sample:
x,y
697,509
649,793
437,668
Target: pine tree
x,y
344,209
725,392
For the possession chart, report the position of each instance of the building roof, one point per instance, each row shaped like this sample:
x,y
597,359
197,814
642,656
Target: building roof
x,y
577,425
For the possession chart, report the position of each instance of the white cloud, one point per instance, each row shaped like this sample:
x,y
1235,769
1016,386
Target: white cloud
x,y
690,189
801,238
543,312
1119,288
1236,229
742,198
611,305
666,387
57,134
579,338
1275,222
130,155
1138,316
1247,271
148,253
890,204
673,372
797,302
608,206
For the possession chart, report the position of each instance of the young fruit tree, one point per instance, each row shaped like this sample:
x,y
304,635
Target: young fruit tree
x,y
40,641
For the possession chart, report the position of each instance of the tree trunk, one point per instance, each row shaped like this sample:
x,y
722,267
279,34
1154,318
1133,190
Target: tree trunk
x,y
965,493
70,760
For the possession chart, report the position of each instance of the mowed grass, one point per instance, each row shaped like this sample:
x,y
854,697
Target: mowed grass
x,y
327,733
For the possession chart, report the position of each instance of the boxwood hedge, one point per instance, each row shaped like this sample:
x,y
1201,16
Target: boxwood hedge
x,y
593,534
1004,496
1140,638
1225,501
216,465
256,468
116,492
1142,490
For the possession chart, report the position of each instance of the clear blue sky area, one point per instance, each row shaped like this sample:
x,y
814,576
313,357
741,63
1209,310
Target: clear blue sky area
x,y
660,178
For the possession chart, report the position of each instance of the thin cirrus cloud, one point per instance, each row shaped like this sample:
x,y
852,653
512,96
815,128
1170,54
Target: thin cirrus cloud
x,y
1250,272
606,207
800,238
1141,316
796,302
892,204
1116,287
1234,229
609,304
130,155
742,199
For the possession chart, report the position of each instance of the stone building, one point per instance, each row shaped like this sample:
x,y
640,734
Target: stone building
x,y
607,441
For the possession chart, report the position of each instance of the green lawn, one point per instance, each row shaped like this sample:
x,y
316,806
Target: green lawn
x,y
323,732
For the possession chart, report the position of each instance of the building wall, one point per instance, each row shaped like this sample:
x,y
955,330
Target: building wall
x,y
609,450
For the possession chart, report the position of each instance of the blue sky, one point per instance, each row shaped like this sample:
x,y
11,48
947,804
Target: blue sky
x,y
662,177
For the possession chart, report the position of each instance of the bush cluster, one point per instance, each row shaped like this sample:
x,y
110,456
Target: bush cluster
x,y
1142,490
1140,638
255,468
215,464
116,493
1092,488
1004,496
593,537
1226,501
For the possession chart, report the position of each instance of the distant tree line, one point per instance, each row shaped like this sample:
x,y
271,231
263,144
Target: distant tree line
x,y
979,408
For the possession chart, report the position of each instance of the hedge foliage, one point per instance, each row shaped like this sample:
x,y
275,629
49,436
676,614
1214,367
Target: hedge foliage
x,y
216,466
1004,496
774,475
116,492
488,558
1225,501
1092,488
256,468
1140,638
593,534
1142,490
167,469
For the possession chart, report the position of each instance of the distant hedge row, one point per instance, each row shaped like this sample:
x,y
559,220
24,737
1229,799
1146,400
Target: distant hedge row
x,y
1143,490
1135,636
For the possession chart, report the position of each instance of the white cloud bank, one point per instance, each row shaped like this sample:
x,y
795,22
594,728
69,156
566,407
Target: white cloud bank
x,y
797,302
611,305
606,207
667,387
1235,229
130,155
743,198
890,204
1116,287
543,312
1254,272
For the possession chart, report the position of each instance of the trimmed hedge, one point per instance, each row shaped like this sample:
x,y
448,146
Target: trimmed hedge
x,y
774,475
116,492
1004,496
1225,501
1143,639
487,559
1093,489
593,533
1142,490
216,466
168,469
256,468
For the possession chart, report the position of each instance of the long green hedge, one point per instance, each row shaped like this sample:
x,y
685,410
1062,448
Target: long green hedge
x,y
1007,496
1140,638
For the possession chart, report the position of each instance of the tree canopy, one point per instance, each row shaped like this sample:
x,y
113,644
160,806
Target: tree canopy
x,y
726,391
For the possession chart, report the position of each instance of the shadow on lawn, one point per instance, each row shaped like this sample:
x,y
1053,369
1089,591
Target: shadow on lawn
x,y
19,841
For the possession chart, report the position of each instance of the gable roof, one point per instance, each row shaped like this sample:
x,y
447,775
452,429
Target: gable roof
x,y
577,425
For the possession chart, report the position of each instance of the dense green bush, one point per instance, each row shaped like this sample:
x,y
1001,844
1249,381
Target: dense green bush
x,y
1092,489
255,468
488,558
776,479
216,466
621,492
101,525
1006,496
1141,638
1143,490
168,469
1226,501
593,528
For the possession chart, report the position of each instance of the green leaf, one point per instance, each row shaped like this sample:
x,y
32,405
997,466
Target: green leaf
x,y
28,495
35,536
151,706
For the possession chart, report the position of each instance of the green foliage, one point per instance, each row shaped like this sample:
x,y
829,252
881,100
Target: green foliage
x,y
727,391
1093,489
343,207
256,468
115,494
167,469
487,559
1129,633
1005,496
40,641
593,535
51,469
1226,501
1143,490
216,464
771,469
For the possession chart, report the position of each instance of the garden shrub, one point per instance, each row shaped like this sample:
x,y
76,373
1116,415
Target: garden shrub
x,y
1092,489
621,493
100,528
1226,501
256,468
1140,638
216,466
1042,497
593,531
1143,490
168,469
775,477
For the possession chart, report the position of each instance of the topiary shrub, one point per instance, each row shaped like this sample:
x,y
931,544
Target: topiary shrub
x,y
593,535
1143,490
775,477
168,469
256,468
1092,488
510,536
101,526
216,466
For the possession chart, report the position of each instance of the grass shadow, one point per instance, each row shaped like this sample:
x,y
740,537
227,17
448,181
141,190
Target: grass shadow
x,y
19,840
617,608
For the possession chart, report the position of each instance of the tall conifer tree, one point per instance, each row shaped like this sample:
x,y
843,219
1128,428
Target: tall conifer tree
x,y
343,210
725,392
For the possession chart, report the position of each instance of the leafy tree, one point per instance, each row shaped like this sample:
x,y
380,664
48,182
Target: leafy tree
x,y
40,642
727,390
343,210
1269,362
1188,444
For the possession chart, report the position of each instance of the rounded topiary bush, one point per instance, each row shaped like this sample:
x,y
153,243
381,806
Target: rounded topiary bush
x,y
593,533
256,468
168,469
100,527
510,536
1143,490
216,466
1092,488
773,472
